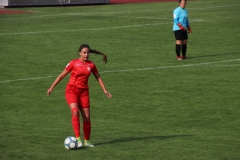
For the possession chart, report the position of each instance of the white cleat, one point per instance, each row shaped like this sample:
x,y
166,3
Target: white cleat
x,y
79,144
88,144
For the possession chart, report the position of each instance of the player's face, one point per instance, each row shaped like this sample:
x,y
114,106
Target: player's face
x,y
84,54
182,4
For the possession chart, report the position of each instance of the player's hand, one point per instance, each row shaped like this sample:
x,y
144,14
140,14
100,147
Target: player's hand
x,y
108,94
189,29
49,91
181,27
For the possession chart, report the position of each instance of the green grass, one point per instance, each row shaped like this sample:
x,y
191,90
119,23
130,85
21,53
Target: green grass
x,y
161,108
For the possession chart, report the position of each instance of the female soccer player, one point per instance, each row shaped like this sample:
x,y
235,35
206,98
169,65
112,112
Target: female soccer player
x,y
77,90
181,28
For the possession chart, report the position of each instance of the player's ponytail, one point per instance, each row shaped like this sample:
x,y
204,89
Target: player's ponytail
x,y
97,52
93,51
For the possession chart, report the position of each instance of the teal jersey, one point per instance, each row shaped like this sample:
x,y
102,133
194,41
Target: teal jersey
x,y
180,15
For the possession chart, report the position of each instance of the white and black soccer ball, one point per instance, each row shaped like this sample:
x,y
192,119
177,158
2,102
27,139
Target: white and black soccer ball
x,y
70,143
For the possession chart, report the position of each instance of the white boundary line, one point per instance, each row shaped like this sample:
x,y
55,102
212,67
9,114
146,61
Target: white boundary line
x,y
72,14
143,17
90,29
211,7
138,69
103,13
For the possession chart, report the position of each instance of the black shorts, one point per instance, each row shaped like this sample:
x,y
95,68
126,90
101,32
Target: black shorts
x,y
181,35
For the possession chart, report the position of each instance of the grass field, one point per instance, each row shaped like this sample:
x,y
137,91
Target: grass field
x,y
161,108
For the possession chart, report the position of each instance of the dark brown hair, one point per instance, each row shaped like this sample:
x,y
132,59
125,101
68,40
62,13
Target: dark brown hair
x,y
93,51
182,0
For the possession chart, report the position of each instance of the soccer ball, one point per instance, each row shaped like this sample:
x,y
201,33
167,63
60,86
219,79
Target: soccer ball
x,y
70,143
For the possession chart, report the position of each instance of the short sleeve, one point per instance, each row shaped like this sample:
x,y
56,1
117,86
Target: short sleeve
x,y
94,69
69,67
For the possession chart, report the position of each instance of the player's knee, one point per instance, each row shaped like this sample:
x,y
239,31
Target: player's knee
x,y
86,118
75,112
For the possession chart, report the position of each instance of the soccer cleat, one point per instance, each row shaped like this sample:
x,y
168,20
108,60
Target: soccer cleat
x,y
184,57
88,144
79,142
179,58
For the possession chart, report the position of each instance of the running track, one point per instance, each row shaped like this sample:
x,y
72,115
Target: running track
x,y
138,1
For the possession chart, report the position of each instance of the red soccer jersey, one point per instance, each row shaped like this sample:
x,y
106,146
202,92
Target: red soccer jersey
x,y
80,72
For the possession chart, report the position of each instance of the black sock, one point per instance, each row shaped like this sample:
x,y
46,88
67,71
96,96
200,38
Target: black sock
x,y
184,49
178,48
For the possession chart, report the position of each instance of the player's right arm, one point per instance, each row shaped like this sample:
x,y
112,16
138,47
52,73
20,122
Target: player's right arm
x,y
175,18
177,24
57,80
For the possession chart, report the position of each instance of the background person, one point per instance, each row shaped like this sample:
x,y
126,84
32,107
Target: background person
x,y
77,90
181,28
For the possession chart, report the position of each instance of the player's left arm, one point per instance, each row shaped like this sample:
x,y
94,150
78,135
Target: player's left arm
x,y
175,18
188,27
101,83
176,21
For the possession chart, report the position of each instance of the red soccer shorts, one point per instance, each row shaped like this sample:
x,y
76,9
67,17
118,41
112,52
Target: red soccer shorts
x,y
77,95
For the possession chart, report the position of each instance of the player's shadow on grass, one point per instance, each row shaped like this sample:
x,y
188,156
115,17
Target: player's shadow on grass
x,y
130,139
